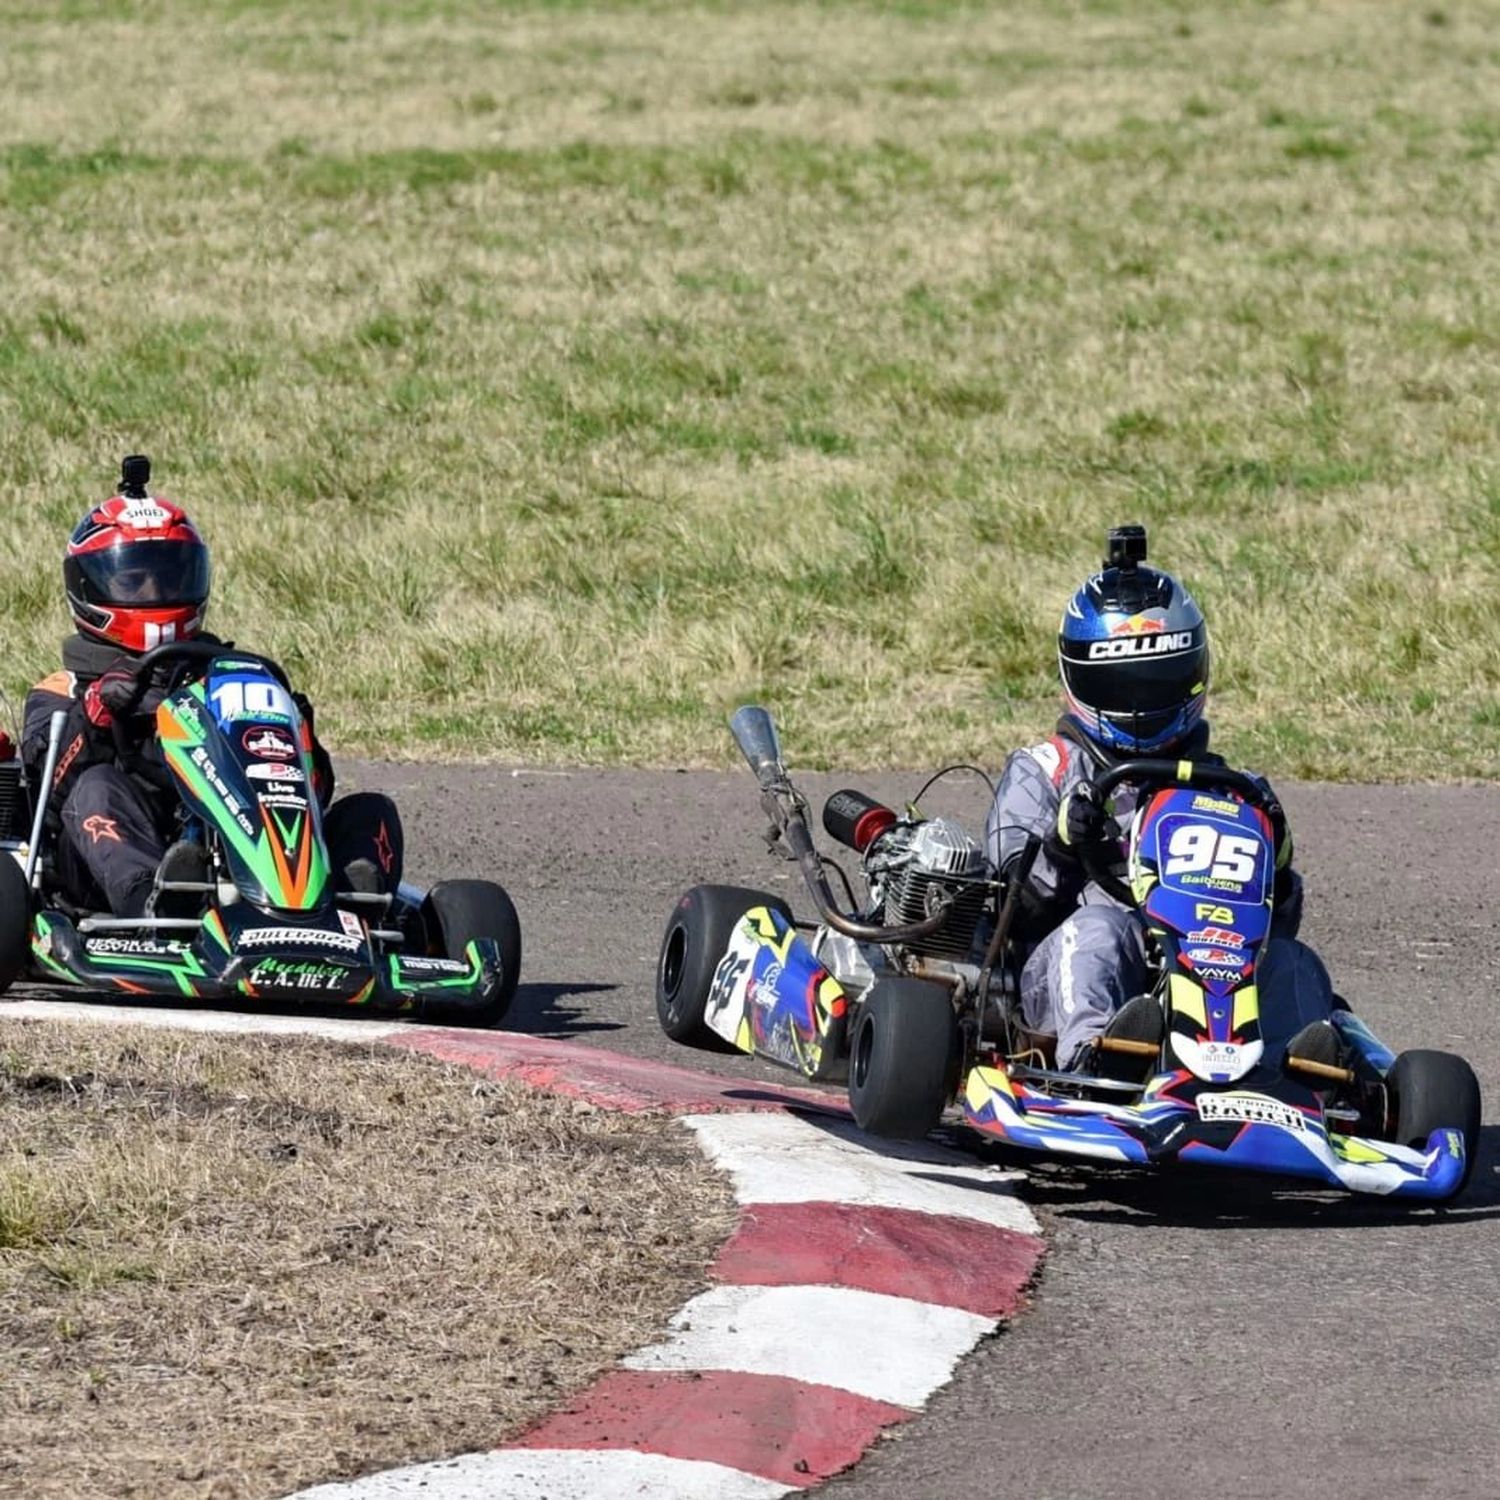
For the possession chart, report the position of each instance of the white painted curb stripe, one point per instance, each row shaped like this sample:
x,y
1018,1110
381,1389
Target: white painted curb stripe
x,y
555,1474
781,1158
886,1348
329,1028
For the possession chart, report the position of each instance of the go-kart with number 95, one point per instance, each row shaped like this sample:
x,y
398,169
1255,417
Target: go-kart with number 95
x,y
270,925
911,997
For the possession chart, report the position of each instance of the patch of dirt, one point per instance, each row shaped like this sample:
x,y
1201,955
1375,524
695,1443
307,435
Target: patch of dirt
x,y
231,1267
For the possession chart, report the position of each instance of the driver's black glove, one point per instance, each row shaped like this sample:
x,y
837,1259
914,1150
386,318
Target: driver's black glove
x,y
1082,819
105,696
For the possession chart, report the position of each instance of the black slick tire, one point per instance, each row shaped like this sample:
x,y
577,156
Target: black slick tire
x,y
455,913
697,933
1434,1091
901,1057
15,921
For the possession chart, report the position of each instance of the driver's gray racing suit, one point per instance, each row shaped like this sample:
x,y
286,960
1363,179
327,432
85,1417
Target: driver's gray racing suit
x,y
1085,953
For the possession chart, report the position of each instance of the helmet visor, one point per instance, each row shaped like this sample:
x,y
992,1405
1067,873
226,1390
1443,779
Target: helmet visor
x,y
1121,688
152,574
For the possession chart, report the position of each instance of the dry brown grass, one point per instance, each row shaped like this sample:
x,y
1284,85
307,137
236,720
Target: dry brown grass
x,y
232,1267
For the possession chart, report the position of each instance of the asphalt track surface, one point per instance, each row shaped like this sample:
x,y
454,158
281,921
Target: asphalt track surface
x,y
1191,1334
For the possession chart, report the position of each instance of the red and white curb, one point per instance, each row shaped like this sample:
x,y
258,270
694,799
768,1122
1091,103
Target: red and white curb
x,y
859,1275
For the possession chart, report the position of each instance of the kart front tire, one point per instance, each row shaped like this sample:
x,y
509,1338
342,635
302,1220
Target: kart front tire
x,y
1434,1091
456,913
698,932
901,1058
15,921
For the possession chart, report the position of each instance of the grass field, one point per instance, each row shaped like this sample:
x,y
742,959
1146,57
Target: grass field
x,y
551,378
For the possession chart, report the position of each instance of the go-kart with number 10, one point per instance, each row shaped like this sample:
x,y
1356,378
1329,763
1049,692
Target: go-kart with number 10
x,y
272,926
912,997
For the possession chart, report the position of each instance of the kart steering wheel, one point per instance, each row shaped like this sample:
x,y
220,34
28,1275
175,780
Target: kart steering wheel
x,y
1151,775
144,668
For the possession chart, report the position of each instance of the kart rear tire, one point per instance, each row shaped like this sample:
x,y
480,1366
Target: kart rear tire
x,y
15,921
1434,1091
455,913
901,1058
698,932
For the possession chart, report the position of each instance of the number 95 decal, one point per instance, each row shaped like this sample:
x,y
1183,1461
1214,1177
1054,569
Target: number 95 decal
x,y
1200,856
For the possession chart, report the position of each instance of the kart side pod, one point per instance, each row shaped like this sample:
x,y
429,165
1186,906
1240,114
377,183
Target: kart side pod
x,y
771,998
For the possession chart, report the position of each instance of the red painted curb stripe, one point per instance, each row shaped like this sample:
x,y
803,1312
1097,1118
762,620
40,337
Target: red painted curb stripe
x,y
611,1080
928,1257
785,1430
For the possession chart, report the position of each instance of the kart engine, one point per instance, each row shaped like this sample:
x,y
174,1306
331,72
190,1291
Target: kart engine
x,y
912,867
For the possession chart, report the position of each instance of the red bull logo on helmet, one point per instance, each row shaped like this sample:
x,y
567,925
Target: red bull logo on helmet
x,y
1144,624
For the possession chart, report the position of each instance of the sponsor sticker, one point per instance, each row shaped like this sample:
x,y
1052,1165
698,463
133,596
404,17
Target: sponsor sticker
x,y
1221,937
351,924
1217,974
302,937
433,966
265,771
1215,805
145,947
762,989
269,744
1215,956
186,710
279,974
199,757
1153,623
1140,645
144,515
1251,1109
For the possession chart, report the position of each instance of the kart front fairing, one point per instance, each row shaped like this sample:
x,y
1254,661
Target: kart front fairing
x,y
1202,873
1265,1123
239,953
235,745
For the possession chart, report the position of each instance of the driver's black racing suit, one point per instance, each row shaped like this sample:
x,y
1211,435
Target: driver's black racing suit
x,y
1085,953
112,819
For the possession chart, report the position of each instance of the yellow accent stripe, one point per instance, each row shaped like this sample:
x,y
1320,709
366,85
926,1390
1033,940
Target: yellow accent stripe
x,y
982,1083
1246,1007
1187,1000
1347,1148
1184,770
764,926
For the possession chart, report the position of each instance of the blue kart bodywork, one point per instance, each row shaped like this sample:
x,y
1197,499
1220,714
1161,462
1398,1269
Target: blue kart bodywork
x,y
774,999
1202,876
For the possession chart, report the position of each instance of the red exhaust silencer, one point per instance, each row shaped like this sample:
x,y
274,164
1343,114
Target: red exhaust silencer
x,y
855,820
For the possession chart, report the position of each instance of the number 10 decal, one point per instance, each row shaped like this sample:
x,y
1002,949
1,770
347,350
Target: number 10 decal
x,y
250,698
1194,847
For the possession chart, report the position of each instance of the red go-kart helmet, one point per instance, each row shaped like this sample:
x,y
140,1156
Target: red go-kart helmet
x,y
136,570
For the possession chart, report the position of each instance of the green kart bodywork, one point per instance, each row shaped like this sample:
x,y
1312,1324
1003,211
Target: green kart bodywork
x,y
273,930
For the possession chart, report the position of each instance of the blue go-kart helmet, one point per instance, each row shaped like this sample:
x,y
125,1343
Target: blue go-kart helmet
x,y
1133,653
